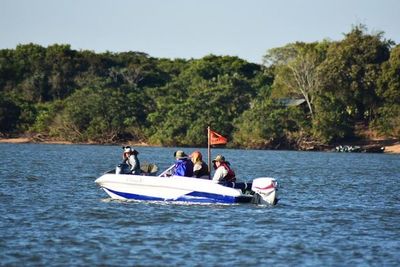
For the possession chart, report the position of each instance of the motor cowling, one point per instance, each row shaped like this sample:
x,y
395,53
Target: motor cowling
x,y
265,190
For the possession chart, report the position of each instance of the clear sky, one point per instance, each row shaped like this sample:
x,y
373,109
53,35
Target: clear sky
x,y
190,28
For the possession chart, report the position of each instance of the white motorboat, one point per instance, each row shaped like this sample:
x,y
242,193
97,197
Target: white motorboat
x,y
261,190
167,187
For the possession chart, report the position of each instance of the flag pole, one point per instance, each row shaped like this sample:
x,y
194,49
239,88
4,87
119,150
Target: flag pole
x,y
209,152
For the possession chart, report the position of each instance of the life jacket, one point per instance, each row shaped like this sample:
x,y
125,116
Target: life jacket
x,y
202,172
231,176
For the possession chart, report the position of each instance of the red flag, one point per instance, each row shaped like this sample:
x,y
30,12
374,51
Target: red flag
x,y
217,139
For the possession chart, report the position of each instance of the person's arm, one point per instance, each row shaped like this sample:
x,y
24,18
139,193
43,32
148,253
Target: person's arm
x,y
133,163
178,170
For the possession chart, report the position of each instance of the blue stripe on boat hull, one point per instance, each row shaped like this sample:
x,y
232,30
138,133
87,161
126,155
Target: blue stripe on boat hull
x,y
196,197
134,196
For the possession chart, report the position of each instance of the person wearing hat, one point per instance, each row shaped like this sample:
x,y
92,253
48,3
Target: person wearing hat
x,y
183,165
130,157
200,168
223,170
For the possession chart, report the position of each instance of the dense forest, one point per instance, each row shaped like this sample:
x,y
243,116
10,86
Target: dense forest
x,y
322,92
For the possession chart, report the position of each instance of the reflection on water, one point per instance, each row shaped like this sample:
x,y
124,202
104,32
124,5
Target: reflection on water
x,y
335,209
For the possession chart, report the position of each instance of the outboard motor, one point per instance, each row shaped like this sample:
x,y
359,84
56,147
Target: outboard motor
x,y
149,169
265,191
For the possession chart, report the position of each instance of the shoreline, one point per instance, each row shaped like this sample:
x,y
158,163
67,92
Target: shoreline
x,y
28,140
389,149
393,149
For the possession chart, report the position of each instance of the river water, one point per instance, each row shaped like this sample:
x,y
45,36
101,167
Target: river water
x,y
335,210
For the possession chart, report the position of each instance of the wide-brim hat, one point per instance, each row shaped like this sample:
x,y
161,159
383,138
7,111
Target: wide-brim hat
x,y
180,154
219,158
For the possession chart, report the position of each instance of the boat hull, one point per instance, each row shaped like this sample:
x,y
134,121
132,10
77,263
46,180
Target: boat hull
x,y
172,188
262,190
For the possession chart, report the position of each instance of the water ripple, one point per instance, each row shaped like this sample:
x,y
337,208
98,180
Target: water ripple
x,y
335,210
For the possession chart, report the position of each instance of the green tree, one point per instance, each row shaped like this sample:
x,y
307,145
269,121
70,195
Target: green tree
x,y
388,118
31,77
332,122
45,114
351,69
268,124
60,60
210,91
9,115
97,115
296,69
8,70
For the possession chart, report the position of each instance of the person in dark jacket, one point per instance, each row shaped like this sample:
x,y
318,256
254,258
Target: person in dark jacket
x,y
131,159
200,168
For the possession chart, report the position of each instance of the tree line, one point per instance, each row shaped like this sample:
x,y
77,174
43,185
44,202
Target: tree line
x,y
344,86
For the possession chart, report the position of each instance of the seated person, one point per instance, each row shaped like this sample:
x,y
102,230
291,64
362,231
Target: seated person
x,y
223,170
183,165
200,168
